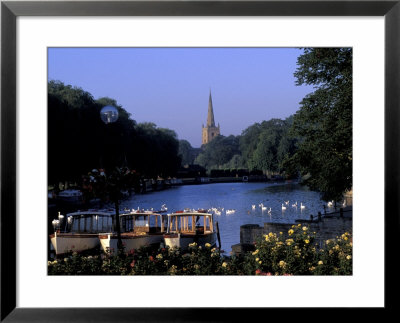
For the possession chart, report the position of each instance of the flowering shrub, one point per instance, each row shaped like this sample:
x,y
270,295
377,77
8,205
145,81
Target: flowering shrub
x,y
336,257
274,254
298,254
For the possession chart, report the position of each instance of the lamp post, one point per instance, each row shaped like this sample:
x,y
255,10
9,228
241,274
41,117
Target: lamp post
x,y
109,114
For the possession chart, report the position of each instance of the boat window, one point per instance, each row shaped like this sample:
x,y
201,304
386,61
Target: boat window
x,y
101,223
106,224
188,223
208,223
174,224
152,221
158,222
141,221
89,223
204,222
126,223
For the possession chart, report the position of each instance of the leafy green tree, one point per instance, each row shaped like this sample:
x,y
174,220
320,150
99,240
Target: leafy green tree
x,y
218,152
324,122
186,152
158,150
286,148
265,146
248,143
236,162
168,152
79,141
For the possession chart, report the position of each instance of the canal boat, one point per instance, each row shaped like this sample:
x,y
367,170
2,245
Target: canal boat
x,y
139,228
186,227
79,231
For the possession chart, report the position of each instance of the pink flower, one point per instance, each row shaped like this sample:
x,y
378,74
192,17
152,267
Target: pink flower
x,y
133,263
259,272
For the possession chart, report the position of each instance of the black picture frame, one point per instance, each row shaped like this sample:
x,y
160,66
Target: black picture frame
x,y
10,10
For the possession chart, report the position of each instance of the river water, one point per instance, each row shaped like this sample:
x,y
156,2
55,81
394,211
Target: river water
x,y
239,197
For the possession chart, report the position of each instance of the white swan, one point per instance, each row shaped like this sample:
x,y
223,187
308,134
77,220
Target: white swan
x,y
283,207
302,206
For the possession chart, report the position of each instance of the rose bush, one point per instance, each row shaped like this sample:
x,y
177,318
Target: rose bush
x,y
296,253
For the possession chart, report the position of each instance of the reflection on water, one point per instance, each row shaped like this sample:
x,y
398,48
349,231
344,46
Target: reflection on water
x,y
239,197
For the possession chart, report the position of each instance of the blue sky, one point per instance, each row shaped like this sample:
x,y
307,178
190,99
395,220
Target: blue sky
x,y
170,86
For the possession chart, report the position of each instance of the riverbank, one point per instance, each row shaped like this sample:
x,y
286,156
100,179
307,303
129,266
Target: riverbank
x,y
326,226
231,179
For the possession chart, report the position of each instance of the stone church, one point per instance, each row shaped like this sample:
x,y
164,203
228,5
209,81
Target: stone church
x,y
210,131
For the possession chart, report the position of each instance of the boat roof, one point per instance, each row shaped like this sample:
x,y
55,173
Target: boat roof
x,y
110,212
184,213
93,212
140,213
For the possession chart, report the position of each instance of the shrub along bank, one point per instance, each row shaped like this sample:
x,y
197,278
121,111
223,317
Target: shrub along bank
x,y
297,254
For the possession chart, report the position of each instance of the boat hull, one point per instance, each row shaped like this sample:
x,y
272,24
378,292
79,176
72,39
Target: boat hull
x,y
109,242
180,240
67,242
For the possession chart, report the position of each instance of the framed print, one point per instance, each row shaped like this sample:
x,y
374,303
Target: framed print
x,y
41,40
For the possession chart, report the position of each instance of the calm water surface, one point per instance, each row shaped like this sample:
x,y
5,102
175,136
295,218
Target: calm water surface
x,y
237,196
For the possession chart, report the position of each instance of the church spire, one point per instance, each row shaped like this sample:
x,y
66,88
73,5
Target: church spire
x,y
210,116
210,131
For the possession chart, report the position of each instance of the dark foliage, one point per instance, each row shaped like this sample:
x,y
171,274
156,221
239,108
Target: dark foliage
x,y
324,122
79,141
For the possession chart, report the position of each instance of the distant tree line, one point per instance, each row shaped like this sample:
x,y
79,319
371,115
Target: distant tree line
x,y
79,141
262,147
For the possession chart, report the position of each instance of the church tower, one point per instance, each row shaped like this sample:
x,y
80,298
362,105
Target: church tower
x,y
210,131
